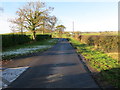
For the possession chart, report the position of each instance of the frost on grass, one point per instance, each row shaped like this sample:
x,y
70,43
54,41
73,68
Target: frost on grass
x,y
10,74
52,40
25,50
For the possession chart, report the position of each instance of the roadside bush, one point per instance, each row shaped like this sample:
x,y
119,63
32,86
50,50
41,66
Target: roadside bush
x,y
108,68
102,42
14,39
42,37
9,40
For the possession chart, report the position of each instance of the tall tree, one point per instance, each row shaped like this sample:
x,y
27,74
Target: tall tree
x,y
18,24
60,28
32,15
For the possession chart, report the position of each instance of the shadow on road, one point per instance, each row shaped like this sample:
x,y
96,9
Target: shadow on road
x,y
58,67
44,76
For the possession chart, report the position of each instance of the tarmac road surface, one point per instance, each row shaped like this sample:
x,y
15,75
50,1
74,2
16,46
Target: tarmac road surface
x,y
59,67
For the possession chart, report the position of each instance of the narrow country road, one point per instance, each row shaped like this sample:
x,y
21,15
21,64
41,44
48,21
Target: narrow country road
x,y
59,67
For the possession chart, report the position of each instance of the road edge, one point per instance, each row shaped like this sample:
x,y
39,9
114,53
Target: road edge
x,y
81,58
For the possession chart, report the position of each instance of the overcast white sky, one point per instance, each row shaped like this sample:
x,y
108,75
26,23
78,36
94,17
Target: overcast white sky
x,y
87,16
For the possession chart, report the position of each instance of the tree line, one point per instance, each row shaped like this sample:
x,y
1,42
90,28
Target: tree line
x,y
35,16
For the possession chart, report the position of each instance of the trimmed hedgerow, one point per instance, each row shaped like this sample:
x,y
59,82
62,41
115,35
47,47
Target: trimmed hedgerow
x,y
14,39
17,39
101,42
42,37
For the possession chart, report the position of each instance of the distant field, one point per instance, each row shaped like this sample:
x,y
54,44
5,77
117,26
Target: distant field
x,y
100,33
81,33
90,33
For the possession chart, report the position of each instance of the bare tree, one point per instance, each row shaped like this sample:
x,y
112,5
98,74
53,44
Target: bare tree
x,y
31,16
18,23
13,29
52,20
49,23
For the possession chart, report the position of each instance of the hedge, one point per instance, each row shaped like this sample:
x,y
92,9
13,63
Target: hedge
x,y
14,39
42,37
102,42
17,39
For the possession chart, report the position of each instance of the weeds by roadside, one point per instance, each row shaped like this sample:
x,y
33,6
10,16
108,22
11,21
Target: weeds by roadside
x,y
107,67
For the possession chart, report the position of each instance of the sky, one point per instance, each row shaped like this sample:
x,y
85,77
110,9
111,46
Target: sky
x,y
87,16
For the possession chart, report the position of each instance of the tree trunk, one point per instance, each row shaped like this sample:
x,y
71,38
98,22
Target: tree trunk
x,y
21,30
34,35
43,31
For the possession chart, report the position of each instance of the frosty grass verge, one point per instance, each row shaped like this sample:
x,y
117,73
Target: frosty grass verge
x,y
25,50
28,49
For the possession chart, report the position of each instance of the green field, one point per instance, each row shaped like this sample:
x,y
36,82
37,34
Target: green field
x,y
100,33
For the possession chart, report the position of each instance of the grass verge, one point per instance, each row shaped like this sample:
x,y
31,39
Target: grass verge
x,y
108,69
24,49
